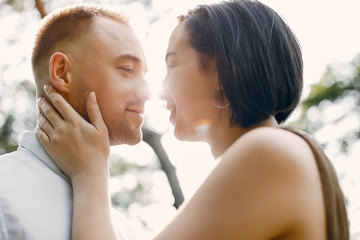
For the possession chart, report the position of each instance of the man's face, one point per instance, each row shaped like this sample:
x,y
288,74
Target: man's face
x,y
112,64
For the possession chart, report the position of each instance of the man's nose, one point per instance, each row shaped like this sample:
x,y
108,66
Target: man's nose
x,y
163,91
143,91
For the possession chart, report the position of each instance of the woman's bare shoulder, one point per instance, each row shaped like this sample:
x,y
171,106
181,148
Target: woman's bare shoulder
x,y
272,155
274,173
269,142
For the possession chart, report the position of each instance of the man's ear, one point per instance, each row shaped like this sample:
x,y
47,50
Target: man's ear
x,y
59,66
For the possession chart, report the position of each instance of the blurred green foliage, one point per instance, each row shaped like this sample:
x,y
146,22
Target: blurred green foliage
x,y
333,100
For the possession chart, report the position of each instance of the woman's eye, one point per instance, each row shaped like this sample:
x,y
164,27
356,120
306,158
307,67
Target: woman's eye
x,y
170,66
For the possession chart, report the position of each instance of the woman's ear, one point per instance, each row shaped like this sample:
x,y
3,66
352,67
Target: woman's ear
x,y
59,66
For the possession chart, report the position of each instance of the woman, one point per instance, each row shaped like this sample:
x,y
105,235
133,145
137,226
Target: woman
x,y
234,74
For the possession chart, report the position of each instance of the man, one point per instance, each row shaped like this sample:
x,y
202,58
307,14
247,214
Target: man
x,y
78,49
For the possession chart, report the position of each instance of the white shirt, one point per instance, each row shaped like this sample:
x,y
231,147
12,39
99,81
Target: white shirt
x,y
36,197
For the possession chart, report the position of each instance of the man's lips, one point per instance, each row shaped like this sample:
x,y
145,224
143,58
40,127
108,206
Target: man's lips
x,y
138,110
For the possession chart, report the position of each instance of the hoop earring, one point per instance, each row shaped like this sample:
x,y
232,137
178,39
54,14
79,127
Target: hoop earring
x,y
217,106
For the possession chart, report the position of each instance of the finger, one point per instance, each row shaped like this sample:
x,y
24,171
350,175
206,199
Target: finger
x,y
42,136
48,112
61,105
45,125
94,112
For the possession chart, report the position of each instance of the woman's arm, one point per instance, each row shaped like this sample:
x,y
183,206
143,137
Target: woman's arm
x,y
91,209
81,150
232,203
260,189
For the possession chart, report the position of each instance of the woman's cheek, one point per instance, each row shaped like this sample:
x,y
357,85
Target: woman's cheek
x,y
174,86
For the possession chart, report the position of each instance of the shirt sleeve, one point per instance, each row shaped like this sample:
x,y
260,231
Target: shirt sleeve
x,y
3,229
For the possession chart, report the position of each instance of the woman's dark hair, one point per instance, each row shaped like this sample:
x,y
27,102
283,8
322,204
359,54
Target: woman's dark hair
x,y
258,58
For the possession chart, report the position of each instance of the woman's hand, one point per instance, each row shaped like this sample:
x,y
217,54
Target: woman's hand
x,y
77,146
81,150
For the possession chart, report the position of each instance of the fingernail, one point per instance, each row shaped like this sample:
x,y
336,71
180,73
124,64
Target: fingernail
x,y
92,97
47,88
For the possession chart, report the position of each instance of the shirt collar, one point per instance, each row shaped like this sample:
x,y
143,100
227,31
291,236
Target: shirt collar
x,y
30,142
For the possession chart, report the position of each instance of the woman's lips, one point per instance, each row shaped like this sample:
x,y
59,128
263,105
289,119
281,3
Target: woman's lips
x,y
171,108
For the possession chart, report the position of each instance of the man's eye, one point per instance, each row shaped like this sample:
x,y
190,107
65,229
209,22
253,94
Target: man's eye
x,y
128,70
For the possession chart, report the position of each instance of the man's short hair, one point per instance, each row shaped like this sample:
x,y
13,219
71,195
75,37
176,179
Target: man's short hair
x,y
65,25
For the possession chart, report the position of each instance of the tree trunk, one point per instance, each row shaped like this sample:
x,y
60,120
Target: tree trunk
x,y
153,139
40,7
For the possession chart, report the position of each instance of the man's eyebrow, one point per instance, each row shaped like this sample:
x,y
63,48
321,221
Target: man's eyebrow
x,y
128,56
169,54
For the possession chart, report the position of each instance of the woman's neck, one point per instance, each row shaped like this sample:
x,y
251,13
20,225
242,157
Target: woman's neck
x,y
221,137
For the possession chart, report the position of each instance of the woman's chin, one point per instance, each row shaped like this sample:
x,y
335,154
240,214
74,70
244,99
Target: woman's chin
x,y
180,134
187,136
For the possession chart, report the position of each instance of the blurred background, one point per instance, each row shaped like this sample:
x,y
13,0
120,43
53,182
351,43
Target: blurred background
x,y
150,180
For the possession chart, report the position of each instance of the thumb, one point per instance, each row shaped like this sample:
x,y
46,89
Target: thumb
x,y
94,112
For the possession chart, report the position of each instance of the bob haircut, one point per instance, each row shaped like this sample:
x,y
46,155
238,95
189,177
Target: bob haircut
x,y
258,58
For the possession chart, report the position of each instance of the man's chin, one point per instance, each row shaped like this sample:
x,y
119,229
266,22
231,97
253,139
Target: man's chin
x,y
129,140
